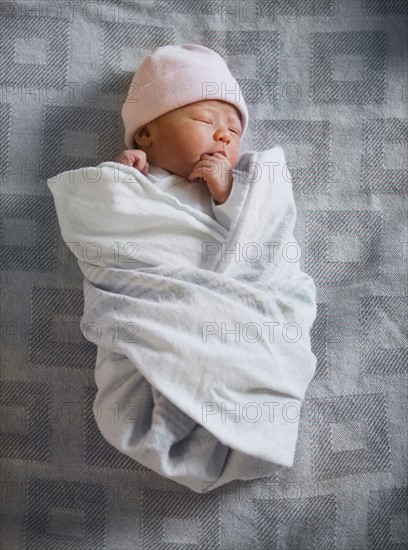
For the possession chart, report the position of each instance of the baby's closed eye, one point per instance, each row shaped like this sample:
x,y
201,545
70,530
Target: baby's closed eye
x,y
202,120
235,130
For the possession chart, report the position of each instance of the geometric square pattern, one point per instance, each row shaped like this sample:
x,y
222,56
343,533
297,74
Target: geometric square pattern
x,y
315,176
350,435
18,214
348,67
118,38
181,531
378,173
65,515
66,522
25,425
78,143
345,247
192,521
53,341
17,231
325,80
395,155
384,335
368,86
327,263
60,152
301,523
234,47
36,50
31,51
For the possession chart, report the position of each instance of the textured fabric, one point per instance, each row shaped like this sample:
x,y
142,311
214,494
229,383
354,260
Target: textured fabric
x,y
326,81
196,194
173,76
201,284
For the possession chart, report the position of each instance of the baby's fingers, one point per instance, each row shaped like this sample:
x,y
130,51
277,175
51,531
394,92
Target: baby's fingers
x,y
122,159
193,176
202,169
196,173
145,168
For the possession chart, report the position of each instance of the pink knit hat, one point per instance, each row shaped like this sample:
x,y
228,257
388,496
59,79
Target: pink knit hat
x,y
174,76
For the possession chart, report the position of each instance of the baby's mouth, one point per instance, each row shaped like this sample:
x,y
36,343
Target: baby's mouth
x,y
221,152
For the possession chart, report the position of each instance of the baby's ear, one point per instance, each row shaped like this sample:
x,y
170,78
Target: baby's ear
x,y
141,134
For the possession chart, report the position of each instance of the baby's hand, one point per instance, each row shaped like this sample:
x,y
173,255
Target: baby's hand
x,y
216,171
135,158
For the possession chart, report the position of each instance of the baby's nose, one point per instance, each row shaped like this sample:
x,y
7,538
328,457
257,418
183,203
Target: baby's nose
x,y
222,133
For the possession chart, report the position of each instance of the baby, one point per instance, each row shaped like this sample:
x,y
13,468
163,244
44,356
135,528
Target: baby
x,y
185,116
180,400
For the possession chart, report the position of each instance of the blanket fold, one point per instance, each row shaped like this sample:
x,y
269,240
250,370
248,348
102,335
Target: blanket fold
x,y
202,333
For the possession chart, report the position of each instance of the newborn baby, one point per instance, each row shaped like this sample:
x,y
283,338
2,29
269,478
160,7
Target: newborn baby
x,y
198,378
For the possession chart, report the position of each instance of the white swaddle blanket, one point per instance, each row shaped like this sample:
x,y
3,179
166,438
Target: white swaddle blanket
x,y
203,337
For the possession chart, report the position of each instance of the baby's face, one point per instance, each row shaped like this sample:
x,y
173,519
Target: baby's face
x,y
176,140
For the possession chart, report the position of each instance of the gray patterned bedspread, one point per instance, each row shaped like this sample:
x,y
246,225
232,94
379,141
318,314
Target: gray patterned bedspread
x,y
327,81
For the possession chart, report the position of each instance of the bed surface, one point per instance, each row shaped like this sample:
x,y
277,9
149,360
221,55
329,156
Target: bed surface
x,y
325,80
